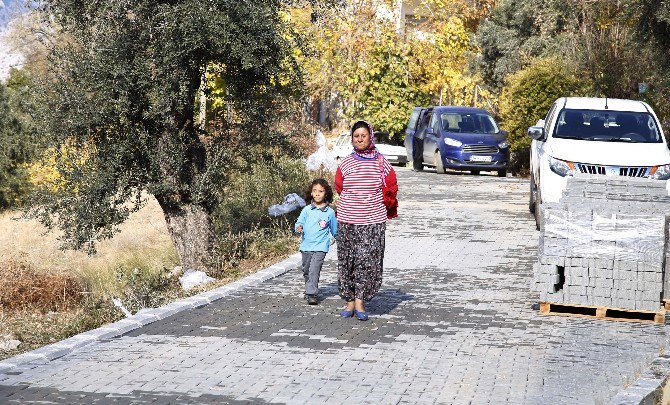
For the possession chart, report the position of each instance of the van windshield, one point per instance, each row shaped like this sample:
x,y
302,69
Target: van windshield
x,y
472,123
607,126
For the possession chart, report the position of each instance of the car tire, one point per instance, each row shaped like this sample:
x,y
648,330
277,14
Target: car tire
x,y
531,195
439,166
502,173
537,213
475,172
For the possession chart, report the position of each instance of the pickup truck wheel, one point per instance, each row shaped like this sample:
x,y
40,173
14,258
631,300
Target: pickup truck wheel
x,y
538,211
439,166
475,172
502,173
531,196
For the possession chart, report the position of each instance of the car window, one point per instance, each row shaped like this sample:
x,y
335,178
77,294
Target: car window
x,y
550,116
469,122
433,121
607,126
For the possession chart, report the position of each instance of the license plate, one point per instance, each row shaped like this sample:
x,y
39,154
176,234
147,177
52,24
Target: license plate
x,y
475,158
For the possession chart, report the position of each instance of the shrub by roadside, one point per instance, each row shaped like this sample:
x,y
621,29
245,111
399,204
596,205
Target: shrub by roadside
x,y
527,96
24,288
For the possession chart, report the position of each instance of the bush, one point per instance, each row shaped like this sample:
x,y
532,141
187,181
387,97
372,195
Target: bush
x,y
243,226
527,97
140,288
245,202
24,288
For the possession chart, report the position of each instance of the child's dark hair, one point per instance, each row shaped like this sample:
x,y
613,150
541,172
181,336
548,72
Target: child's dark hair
x,y
323,183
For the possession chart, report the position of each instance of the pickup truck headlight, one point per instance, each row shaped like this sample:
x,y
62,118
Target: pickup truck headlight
x,y
502,145
561,167
661,172
453,142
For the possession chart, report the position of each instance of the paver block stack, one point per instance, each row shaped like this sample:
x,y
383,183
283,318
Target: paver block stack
x,y
604,244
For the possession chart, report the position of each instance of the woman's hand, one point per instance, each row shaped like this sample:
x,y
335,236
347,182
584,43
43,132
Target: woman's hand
x,y
298,229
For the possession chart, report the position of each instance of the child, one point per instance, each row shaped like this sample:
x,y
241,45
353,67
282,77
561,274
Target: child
x,y
316,223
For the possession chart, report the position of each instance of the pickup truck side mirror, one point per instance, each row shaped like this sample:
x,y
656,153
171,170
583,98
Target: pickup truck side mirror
x,y
536,133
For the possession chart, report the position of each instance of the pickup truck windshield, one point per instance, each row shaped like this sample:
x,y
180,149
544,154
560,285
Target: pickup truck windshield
x,y
469,123
607,126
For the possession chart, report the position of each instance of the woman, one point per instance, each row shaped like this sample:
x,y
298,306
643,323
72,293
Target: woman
x,y
361,216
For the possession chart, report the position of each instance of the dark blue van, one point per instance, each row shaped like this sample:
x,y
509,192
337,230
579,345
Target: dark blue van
x,y
457,138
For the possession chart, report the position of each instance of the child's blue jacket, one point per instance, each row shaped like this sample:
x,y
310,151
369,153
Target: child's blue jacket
x,y
317,226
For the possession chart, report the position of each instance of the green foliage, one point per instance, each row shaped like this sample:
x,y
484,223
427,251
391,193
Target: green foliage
x,y
651,26
381,87
140,288
121,93
16,146
519,31
527,97
247,198
241,221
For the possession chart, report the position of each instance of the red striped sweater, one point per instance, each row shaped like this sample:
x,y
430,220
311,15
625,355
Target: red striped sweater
x,y
358,181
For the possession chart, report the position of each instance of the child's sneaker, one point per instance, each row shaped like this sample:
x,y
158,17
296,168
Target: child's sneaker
x,y
312,300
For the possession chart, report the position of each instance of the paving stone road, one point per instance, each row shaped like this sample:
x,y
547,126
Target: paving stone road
x,y
452,324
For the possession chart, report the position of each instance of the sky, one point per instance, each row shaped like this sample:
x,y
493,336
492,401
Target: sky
x,y
8,56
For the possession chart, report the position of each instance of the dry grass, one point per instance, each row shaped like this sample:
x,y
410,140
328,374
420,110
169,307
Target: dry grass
x,y
36,329
24,288
143,242
47,294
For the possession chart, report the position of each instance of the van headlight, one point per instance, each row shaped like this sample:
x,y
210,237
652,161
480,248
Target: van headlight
x,y
661,172
502,145
453,142
561,167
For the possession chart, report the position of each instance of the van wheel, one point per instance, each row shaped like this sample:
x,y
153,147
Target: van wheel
x,y
502,173
439,166
475,172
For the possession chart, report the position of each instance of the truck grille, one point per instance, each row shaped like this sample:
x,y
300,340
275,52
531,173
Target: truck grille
x,y
483,149
622,171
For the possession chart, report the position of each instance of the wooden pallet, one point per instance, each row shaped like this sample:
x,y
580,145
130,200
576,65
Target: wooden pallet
x,y
597,312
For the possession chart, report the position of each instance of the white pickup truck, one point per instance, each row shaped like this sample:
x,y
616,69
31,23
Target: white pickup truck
x,y
600,136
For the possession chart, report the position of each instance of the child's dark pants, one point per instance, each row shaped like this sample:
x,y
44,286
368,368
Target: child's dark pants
x,y
311,270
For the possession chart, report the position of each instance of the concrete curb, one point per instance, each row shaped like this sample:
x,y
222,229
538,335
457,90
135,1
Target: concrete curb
x,y
146,316
648,388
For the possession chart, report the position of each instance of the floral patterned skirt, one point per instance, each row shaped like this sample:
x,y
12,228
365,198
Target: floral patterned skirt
x,y
360,260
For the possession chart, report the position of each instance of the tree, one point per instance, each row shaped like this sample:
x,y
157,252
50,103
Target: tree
x,y
16,147
380,89
358,57
118,107
527,97
519,31
652,34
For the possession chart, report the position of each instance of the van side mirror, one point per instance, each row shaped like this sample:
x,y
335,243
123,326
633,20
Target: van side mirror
x,y
430,131
536,133
503,132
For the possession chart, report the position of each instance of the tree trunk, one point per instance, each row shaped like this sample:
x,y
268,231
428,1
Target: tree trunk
x,y
192,232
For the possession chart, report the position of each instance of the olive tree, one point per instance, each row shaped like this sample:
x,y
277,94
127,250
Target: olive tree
x,y
118,109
